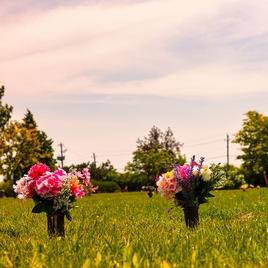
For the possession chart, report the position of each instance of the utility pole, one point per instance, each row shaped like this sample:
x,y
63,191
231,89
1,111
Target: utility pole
x,y
227,151
94,158
61,157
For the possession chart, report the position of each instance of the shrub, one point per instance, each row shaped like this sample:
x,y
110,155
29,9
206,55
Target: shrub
x,y
8,188
106,186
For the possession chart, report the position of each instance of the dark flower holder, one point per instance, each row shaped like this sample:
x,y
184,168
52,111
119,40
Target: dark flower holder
x,y
191,216
55,225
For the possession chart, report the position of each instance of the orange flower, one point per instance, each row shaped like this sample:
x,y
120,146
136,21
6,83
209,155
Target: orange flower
x,y
75,183
77,188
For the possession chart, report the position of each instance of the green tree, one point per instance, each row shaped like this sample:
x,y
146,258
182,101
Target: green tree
x,y
253,139
23,145
155,154
44,149
10,140
35,147
5,132
5,110
102,172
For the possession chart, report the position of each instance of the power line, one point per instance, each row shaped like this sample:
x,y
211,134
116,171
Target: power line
x,y
74,152
213,150
202,143
87,155
205,138
101,151
220,156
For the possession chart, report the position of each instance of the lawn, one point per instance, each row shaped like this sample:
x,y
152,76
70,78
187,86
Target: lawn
x,y
132,230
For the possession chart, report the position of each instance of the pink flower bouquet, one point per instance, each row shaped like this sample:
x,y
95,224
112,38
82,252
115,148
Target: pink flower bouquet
x,y
52,192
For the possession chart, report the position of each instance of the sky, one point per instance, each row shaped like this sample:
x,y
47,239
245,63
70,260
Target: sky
x,y
98,75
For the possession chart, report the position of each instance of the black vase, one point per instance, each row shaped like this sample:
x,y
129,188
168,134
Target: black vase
x,y
191,216
55,225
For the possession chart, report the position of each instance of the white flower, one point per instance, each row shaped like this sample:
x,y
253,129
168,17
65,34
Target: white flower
x,y
205,165
205,173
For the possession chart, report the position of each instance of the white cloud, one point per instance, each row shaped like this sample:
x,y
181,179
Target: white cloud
x,y
142,48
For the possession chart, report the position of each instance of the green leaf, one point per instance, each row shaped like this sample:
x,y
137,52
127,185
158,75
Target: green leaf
x,y
210,195
36,202
49,208
68,215
203,190
37,198
202,200
40,207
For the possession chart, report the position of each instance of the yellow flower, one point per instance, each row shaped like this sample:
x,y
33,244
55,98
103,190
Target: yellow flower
x,y
169,174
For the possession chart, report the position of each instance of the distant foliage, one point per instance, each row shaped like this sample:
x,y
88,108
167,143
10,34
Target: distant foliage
x,y
133,181
8,188
234,178
106,186
253,139
33,148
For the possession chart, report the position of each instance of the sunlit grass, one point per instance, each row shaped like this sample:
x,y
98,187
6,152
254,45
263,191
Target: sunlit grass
x,y
132,230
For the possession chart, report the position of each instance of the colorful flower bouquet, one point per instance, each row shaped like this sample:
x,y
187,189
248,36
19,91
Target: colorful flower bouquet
x,y
190,185
52,192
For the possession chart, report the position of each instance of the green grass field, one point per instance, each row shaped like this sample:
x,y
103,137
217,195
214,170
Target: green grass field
x,y
133,230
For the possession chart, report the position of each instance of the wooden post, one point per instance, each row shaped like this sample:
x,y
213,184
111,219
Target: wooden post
x,y
265,178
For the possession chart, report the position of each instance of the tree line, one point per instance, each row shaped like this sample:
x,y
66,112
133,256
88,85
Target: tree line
x,y
22,145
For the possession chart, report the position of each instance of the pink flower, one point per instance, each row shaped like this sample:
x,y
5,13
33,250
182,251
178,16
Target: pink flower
x,y
60,172
38,170
86,176
24,188
48,185
183,171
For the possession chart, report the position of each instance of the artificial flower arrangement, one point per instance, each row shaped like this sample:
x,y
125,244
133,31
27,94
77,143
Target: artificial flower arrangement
x,y
52,192
190,185
244,187
149,189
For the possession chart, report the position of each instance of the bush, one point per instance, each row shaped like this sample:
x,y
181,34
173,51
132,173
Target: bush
x,y
234,181
8,188
106,186
133,181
